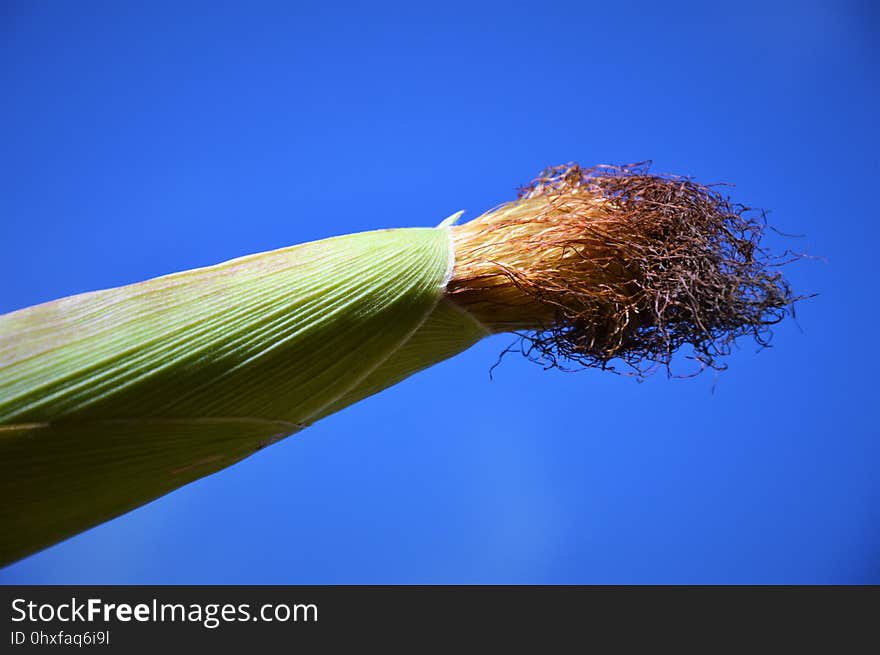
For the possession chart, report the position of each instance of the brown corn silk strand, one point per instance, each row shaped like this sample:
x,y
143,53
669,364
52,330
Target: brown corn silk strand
x,y
594,266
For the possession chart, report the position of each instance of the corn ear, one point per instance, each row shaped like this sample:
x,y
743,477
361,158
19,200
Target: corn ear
x,y
110,399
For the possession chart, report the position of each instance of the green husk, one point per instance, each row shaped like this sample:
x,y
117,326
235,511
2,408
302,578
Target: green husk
x,y
112,398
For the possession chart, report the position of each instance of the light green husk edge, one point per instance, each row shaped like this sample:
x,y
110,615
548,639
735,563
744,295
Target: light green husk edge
x,y
113,398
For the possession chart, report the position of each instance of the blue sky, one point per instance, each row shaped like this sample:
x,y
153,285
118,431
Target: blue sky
x,y
145,138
